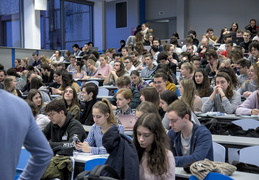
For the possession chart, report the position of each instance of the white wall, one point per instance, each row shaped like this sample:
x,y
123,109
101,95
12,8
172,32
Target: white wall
x,y
113,34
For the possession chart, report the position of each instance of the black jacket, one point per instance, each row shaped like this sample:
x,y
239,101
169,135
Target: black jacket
x,y
87,116
58,136
123,154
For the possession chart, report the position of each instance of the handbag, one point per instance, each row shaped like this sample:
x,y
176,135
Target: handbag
x,y
98,174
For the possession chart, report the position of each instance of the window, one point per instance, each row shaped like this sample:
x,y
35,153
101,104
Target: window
x,y
66,23
10,25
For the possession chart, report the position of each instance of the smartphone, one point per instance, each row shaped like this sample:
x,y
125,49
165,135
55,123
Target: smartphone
x,y
99,74
76,139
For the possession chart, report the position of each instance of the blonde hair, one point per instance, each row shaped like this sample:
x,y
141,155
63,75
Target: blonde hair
x,y
126,93
188,66
7,82
189,92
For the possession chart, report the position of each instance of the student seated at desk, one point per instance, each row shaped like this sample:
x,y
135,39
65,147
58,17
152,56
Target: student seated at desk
x,y
89,97
250,106
71,101
189,142
123,97
223,99
152,144
124,82
60,131
118,71
104,119
66,80
34,95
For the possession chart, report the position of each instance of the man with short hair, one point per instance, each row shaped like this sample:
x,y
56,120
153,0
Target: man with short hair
x,y
162,84
47,74
252,27
254,50
154,51
129,64
162,58
210,35
229,47
60,131
72,66
36,59
77,51
89,97
124,82
242,66
148,71
136,63
157,42
245,44
196,61
189,142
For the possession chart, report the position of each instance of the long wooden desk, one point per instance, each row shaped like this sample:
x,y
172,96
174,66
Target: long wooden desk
x,y
237,175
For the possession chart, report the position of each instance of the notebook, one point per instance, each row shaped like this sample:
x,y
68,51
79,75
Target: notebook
x,y
128,121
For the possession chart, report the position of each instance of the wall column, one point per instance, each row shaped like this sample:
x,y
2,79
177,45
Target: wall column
x,y
32,38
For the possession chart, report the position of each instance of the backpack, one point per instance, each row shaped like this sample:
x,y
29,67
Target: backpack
x,y
97,174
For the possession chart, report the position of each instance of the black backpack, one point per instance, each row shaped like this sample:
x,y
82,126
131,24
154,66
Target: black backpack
x,y
100,172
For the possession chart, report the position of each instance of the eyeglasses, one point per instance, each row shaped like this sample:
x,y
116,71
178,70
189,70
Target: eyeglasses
x,y
126,62
157,82
51,114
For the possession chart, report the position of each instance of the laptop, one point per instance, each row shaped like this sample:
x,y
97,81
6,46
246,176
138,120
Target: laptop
x,y
128,121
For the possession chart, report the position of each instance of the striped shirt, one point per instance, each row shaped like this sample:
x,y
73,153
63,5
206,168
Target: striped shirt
x,y
94,139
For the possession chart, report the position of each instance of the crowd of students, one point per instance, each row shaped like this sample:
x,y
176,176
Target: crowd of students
x,y
221,72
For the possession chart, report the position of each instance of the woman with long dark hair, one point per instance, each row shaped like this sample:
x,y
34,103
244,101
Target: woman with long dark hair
x,y
224,98
152,144
202,83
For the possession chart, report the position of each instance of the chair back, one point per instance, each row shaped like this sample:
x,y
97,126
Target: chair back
x,y
219,152
23,159
247,123
213,176
95,82
103,92
178,93
89,165
249,155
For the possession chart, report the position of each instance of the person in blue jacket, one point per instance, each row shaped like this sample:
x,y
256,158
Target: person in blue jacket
x,y
189,142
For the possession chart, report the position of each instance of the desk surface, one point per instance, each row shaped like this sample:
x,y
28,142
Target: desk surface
x,y
228,116
107,97
109,87
235,140
237,175
84,157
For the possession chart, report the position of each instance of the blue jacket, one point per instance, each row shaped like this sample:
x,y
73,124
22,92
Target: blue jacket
x,y
201,146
